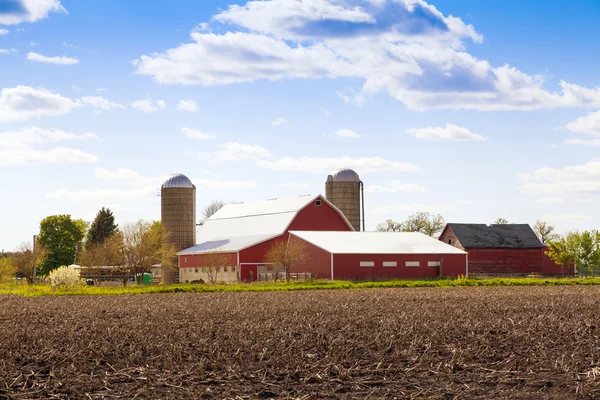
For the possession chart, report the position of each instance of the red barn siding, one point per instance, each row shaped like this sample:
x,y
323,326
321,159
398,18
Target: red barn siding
x,y
347,266
318,218
450,238
550,267
195,261
505,261
318,261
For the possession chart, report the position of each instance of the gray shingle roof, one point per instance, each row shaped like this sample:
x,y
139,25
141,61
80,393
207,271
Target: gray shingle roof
x,y
509,236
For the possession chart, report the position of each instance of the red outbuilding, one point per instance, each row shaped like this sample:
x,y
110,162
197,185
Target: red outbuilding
x,y
501,249
378,255
243,233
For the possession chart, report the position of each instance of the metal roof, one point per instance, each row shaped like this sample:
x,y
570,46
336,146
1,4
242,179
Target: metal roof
x,y
177,181
500,236
226,245
262,207
345,175
376,242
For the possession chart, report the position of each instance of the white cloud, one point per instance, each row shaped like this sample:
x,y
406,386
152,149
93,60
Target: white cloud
x,y
65,44
552,181
589,125
3,32
24,102
187,105
76,88
8,51
236,152
324,165
59,60
279,121
101,103
583,142
30,11
417,57
125,175
396,187
32,43
34,145
347,133
549,200
325,112
101,90
448,133
196,134
147,105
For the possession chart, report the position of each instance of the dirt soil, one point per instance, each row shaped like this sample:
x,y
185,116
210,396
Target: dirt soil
x,y
468,343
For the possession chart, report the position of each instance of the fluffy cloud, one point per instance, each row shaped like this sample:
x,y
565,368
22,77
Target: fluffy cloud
x,y
18,11
448,133
406,48
396,187
324,165
148,106
24,102
196,134
553,181
8,51
101,103
35,146
279,121
187,105
3,32
347,133
236,152
589,125
583,142
59,60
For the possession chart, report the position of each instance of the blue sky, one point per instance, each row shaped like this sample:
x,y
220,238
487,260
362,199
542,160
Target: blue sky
x,y
467,108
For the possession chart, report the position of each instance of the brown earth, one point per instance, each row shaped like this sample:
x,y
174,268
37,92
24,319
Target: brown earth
x,y
469,343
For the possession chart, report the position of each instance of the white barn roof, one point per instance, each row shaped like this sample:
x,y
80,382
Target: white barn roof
x,y
238,226
376,242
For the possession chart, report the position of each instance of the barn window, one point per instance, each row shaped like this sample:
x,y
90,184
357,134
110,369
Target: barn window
x,y
318,203
185,260
196,270
233,268
412,264
449,241
433,263
367,263
390,263
224,269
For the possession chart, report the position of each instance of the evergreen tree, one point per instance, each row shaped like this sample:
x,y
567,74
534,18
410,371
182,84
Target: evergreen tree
x,y
102,228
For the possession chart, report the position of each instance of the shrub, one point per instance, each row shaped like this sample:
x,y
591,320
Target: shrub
x,y
7,270
65,276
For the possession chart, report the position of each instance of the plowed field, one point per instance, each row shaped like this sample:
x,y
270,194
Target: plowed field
x,y
488,343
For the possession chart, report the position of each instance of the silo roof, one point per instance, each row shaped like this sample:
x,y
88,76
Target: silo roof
x,y
346,175
177,181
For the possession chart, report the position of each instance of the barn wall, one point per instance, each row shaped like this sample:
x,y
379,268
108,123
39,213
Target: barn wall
x,y
318,218
550,267
347,266
318,261
450,238
190,268
505,261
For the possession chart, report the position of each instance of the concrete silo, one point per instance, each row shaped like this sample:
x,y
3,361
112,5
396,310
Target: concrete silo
x,y
345,190
178,217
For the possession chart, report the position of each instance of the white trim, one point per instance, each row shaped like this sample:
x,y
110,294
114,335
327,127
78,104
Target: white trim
x,y
387,264
331,265
367,264
434,263
412,264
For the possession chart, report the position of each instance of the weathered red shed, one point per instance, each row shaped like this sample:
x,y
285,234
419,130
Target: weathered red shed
x,y
500,249
378,255
244,232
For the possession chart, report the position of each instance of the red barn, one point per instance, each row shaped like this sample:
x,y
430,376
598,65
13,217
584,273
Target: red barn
x,y
378,255
244,232
500,249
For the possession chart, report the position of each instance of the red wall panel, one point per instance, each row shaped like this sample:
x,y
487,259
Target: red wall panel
x,y
195,261
550,267
347,266
505,261
318,261
318,218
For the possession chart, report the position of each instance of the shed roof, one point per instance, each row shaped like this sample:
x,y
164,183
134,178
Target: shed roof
x,y
376,242
499,236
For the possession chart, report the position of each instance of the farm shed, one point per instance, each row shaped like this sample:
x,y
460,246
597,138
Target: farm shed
x,y
500,249
242,233
378,255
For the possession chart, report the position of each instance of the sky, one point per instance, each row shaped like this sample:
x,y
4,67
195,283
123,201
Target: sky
x,y
474,110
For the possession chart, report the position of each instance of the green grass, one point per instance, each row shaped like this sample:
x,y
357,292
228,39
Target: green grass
x,y
45,290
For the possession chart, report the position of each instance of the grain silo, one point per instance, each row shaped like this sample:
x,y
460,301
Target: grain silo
x,y
345,190
178,217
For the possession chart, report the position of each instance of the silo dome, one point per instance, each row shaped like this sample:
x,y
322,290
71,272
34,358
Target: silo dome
x,y
345,175
177,181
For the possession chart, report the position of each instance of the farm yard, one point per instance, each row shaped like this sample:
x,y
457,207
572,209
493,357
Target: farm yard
x,y
464,342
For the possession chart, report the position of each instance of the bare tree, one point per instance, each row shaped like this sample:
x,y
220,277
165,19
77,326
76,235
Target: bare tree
x,y
212,263
24,259
501,221
545,231
389,226
286,254
424,222
212,208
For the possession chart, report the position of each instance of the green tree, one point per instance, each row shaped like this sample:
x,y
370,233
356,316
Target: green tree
x,y
101,228
60,235
424,222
